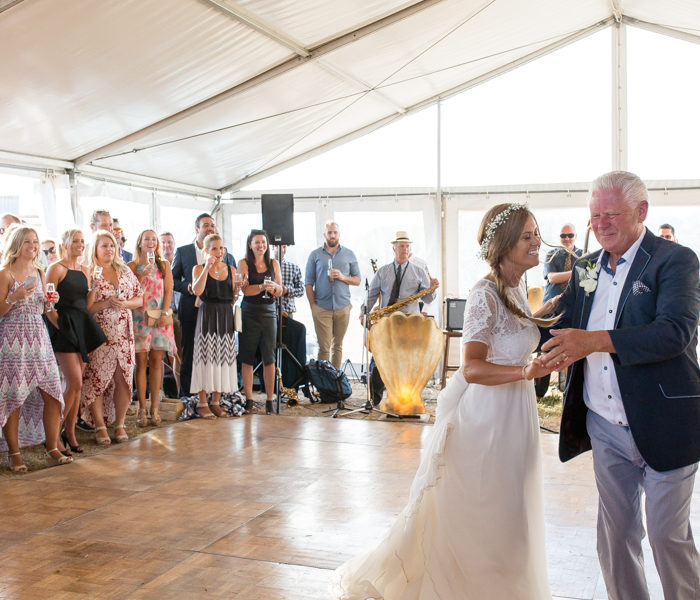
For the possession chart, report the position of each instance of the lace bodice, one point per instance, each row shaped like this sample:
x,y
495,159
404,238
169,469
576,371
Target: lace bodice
x,y
510,339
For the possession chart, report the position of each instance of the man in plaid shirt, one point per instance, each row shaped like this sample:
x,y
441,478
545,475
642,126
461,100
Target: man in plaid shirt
x,y
292,283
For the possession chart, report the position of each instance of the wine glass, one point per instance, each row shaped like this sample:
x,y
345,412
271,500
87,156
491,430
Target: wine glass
x,y
50,290
151,258
330,266
267,279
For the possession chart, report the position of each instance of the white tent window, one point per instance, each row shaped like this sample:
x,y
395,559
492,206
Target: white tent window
x,y
663,98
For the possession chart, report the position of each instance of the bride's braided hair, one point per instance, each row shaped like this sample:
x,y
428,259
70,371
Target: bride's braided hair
x,y
499,231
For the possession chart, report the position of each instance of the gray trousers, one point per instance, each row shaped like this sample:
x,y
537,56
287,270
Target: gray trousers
x,y
621,476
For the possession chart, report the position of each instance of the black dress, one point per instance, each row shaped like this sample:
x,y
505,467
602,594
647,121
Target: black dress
x,y
77,330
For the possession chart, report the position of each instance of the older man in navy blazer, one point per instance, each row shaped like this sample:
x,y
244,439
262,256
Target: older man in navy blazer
x,y
186,257
629,335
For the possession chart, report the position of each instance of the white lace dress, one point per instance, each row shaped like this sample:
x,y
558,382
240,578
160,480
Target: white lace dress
x,y
473,528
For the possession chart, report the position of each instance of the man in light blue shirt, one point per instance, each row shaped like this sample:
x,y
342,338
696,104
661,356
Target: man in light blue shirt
x,y
330,271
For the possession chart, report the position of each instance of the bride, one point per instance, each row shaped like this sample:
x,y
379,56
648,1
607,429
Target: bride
x,y
473,527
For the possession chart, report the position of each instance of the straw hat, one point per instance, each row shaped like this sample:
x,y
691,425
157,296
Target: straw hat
x,y
402,236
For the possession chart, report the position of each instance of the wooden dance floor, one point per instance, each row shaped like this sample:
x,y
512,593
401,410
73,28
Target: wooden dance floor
x,y
257,508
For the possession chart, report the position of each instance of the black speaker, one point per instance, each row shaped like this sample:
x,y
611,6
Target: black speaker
x,y
278,218
454,313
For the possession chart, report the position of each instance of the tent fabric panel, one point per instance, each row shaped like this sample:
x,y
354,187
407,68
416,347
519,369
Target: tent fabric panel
x,y
84,73
683,15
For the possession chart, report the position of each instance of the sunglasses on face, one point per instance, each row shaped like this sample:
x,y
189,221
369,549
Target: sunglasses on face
x,y
51,250
567,235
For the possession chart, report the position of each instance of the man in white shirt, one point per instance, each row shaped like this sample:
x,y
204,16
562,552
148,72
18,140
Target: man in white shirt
x,y
629,334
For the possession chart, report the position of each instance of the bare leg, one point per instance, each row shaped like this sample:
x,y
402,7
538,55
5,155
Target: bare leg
x,y
98,416
155,378
140,377
52,425
203,407
247,374
10,432
72,367
269,377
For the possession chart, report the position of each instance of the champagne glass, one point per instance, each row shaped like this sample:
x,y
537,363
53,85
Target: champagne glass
x,y
267,279
151,258
50,290
330,266
96,276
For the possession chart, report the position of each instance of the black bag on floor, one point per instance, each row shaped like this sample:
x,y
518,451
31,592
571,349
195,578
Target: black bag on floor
x,y
332,385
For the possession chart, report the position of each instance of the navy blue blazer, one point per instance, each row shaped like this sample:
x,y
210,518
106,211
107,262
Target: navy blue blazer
x,y
655,339
183,263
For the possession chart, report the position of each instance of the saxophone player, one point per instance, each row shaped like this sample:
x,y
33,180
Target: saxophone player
x,y
393,282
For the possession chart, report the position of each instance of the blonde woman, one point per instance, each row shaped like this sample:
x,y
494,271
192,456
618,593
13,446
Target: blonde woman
x,y
214,363
108,376
27,360
153,323
474,523
78,334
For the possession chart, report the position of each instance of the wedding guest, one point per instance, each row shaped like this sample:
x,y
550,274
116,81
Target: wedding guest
x,y
330,271
214,364
27,360
121,240
557,264
100,220
77,333
667,232
49,249
261,285
153,325
107,381
167,244
186,257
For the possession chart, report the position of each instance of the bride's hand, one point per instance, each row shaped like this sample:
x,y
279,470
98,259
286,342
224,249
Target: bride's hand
x,y
536,369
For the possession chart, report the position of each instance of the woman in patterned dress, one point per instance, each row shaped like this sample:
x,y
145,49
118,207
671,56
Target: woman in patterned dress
x,y
27,360
78,334
156,279
214,359
107,380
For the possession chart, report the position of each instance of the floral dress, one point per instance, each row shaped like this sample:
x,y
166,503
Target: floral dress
x,y
152,338
117,352
28,365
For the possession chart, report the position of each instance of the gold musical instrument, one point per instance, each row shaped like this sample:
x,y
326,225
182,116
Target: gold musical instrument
x,y
374,316
291,393
407,350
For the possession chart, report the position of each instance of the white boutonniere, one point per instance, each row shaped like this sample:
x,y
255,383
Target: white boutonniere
x,y
587,276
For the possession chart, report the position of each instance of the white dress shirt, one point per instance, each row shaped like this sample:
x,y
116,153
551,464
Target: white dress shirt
x,y
601,391
199,252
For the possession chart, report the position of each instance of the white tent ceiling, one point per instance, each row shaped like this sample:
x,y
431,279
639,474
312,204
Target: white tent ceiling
x,y
216,93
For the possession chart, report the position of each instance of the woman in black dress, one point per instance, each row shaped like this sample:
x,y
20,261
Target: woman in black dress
x,y
261,285
78,334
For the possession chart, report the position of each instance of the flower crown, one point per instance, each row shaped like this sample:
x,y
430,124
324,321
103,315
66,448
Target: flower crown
x,y
494,224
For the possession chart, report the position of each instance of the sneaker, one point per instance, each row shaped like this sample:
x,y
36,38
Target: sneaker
x,y
83,426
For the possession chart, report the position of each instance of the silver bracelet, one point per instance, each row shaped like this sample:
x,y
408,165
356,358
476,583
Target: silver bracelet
x,y
522,371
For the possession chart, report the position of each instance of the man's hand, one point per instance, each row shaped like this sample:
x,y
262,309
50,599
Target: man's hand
x,y
569,345
434,282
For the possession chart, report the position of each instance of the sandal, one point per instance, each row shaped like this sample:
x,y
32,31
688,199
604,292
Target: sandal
x,y
211,415
155,418
249,406
123,437
102,441
217,410
64,438
142,419
57,460
16,468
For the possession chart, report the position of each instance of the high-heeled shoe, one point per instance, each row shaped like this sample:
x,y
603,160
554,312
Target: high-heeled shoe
x,y
268,407
250,406
77,448
16,468
120,437
142,419
53,460
155,418
102,441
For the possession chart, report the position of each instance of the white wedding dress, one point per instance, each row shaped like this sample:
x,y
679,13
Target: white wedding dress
x,y
473,528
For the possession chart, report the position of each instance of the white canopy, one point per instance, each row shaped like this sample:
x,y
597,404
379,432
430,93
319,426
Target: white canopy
x,y
216,93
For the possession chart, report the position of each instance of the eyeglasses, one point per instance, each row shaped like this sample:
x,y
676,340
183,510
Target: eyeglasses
x,y
567,235
51,250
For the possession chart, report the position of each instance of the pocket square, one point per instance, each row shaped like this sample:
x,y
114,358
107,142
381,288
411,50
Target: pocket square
x,y
639,288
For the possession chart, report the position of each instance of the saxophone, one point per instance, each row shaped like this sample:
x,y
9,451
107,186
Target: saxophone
x,y
378,314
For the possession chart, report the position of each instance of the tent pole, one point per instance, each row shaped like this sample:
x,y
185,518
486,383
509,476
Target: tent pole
x,y
73,184
619,97
440,203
